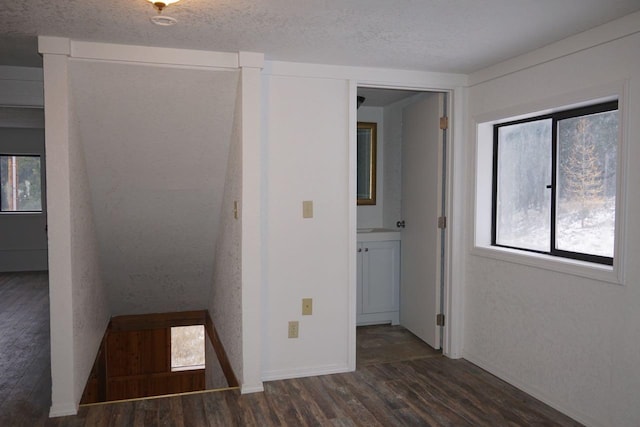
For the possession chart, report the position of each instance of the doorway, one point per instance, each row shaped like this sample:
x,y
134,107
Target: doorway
x,y
406,283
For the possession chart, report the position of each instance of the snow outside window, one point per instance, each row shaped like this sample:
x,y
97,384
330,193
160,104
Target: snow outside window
x,y
554,184
187,348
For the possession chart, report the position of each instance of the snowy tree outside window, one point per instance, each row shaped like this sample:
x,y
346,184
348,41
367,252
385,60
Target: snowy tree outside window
x,y
555,183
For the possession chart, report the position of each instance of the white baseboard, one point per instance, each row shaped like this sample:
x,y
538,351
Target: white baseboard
x,y
533,391
246,389
284,374
62,410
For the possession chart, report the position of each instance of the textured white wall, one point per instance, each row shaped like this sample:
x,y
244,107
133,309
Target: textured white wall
x,y
156,143
91,311
307,159
225,301
371,215
571,341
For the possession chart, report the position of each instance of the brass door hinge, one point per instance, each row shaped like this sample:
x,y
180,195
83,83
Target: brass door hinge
x,y
442,222
440,320
444,122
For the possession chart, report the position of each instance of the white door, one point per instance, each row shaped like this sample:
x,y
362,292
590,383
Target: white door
x,y
421,204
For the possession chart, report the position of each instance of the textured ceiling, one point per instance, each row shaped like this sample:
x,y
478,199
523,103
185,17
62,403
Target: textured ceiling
x,y
436,35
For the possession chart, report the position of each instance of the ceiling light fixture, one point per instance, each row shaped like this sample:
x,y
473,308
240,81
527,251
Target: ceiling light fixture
x,y
160,5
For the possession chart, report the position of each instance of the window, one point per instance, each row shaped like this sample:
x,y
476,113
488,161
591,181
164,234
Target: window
x,y
554,183
20,184
187,348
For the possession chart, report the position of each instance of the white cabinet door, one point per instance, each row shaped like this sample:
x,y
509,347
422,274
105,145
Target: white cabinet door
x,y
378,292
381,276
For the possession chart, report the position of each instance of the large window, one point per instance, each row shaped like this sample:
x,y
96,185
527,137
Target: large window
x,y
554,183
20,184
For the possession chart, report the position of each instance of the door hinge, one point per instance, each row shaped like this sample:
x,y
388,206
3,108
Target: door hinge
x,y
442,222
440,320
444,122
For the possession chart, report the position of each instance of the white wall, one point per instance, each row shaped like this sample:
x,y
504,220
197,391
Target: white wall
x,y
156,146
392,153
21,86
570,341
307,146
225,300
24,243
78,304
91,312
371,216
24,246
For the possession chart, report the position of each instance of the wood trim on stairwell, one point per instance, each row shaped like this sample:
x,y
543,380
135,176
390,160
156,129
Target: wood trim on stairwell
x,y
227,369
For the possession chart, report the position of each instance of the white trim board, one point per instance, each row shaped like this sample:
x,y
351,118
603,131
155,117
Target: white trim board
x,y
284,374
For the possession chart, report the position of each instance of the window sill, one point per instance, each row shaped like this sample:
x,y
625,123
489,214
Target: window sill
x,y
18,213
589,270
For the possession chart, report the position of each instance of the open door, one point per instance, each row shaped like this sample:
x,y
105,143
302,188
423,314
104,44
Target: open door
x,y
422,178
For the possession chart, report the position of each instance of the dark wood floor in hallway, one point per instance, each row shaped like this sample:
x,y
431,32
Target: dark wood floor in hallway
x,y
25,373
420,389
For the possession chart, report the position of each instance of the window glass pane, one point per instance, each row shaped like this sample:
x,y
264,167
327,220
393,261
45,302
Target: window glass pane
x,y
187,347
523,200
20,188
586,194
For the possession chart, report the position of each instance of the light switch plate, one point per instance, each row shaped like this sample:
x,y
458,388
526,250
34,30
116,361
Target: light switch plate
x,y
307,209
307,306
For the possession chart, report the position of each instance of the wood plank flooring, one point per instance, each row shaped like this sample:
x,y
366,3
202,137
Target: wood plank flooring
x,y
418,391
25,373
388,343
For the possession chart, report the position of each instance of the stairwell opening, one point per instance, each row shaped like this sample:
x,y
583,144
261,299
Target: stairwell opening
x,y
160,354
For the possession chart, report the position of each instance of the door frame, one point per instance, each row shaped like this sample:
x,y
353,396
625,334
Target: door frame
x,y
452,333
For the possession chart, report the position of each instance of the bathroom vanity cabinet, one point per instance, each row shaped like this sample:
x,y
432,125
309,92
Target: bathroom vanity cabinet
x,y
378,293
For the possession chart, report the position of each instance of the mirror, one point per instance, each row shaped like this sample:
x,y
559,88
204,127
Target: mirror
x,y
366,187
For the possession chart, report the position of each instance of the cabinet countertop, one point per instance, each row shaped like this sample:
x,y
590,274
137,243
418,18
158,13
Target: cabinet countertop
x,y
377,234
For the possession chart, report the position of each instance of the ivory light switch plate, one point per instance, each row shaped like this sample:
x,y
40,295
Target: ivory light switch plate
x,y
307,209
307,306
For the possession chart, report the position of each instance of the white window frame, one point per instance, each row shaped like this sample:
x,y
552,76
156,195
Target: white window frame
x,y
483,175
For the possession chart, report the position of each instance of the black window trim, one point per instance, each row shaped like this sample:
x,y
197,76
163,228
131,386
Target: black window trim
x,y
555,118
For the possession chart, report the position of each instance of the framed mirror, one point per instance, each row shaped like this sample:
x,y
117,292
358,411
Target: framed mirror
x,y
366,187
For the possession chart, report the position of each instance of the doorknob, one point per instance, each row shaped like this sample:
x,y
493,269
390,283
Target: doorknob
x,y
400,224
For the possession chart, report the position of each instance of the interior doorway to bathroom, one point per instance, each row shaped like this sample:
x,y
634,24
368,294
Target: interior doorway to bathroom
x,y
401,236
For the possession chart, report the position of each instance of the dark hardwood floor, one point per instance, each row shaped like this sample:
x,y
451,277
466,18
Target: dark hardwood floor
x,y
25,373
387,343
422,389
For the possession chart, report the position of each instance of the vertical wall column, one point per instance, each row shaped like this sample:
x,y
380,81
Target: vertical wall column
x,y
252,242
56,110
